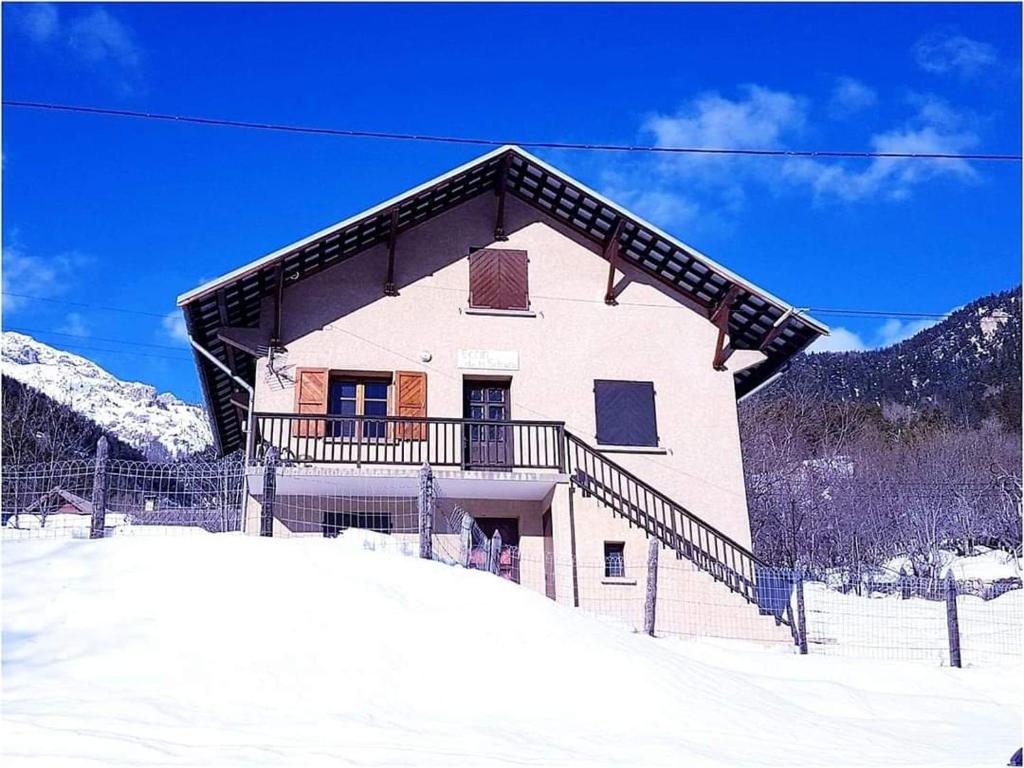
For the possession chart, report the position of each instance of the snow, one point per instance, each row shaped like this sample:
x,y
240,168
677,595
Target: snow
x,y
160,425
224,650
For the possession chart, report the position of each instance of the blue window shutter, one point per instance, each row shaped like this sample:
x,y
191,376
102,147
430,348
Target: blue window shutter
x,y
625,412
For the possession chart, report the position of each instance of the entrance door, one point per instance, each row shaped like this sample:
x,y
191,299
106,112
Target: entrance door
x,y
487,446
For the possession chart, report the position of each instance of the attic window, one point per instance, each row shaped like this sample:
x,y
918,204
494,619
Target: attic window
x,y
498,279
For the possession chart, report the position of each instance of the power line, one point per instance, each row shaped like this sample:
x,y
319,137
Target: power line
x,y
870,313
105,308
72,346
591,147
94,338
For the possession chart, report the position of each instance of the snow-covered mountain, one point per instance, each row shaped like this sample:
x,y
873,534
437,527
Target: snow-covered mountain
x,y
159,425
967,366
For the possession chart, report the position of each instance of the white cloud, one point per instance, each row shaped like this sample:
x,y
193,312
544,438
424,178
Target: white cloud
x,y
892,331
947,53
74,325
39,21
99,37
839,340
27,275
850,96
174,326
758,120
94,36
936,128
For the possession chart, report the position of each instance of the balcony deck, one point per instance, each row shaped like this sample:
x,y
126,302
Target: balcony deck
x,y
407,442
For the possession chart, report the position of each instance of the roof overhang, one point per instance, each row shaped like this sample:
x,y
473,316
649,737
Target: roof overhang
x,y
758,320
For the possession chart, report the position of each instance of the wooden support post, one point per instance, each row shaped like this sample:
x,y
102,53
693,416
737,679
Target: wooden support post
x,y
275,333
952,622
499,190
269,493
904,584
99,490
720,318
611,252
651,599
466,555
494,553
426,512
389,283
801,613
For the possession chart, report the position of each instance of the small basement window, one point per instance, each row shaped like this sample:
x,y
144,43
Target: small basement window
x,y
624,412
614,560
498,279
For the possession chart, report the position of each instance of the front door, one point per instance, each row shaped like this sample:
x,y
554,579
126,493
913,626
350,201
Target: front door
x,y
487,445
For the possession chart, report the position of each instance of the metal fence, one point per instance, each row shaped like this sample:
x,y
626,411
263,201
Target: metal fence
x,y
969,622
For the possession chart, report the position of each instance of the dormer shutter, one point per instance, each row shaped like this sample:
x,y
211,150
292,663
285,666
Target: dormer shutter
x,y
498,279
310,397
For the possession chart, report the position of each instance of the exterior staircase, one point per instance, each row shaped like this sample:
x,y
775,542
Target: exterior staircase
x,y
710,550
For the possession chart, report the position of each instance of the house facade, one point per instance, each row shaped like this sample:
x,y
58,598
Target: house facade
x,y
569,372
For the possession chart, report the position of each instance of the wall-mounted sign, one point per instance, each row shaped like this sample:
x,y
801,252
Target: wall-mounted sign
x,y
489,359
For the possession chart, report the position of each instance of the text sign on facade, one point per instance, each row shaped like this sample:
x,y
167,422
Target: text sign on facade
x,y
489,359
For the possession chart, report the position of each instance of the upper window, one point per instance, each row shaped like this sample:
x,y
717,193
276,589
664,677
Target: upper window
x,y
358,397
625,413
498,279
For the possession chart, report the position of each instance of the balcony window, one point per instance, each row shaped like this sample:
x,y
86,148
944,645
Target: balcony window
x,y
358,397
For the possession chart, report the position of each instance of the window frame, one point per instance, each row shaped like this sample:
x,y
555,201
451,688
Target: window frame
x,y
361,381
611,548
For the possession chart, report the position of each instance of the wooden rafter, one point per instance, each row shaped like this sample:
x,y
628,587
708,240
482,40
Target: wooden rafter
x,y
720,318
499,190
611,252
275,334
389,284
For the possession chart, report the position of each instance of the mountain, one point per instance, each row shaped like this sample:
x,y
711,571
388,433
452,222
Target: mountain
x,y
38,429
159,425
967,367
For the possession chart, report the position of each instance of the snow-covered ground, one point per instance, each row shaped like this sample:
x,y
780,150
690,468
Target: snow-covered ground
x,y
213,650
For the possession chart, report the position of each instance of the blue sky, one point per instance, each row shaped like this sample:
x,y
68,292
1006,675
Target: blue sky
x,y
125,213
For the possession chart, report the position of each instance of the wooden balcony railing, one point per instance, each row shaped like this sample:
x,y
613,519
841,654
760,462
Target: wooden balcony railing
x,y
401,440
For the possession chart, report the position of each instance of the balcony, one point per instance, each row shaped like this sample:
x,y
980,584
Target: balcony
x,y
466,444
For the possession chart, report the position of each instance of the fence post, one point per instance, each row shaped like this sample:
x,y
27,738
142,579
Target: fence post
x,y
801,612
269,493
494,553
904,585
467,539
99,490
952,622
426,511
651,599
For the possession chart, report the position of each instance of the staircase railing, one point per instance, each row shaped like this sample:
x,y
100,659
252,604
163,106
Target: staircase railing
x,y
646,507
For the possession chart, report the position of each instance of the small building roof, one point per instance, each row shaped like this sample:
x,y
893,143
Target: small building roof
x,y
53,495
758,320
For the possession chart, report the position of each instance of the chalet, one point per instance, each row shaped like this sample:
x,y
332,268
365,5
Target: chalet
x,y
569,370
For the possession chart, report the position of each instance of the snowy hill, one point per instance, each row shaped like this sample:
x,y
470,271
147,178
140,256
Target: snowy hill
x,y
159,425
320,652
966,365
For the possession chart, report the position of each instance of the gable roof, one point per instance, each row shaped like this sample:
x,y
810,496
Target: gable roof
x,y
758,319
54,494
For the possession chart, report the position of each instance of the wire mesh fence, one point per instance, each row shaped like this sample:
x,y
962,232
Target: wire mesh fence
x,y
899,617
57,499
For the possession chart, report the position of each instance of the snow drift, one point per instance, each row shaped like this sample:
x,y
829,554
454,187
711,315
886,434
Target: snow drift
x,y
229,650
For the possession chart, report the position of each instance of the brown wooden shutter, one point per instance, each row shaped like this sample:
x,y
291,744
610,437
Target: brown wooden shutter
x,y
498,279
411,400
310,397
